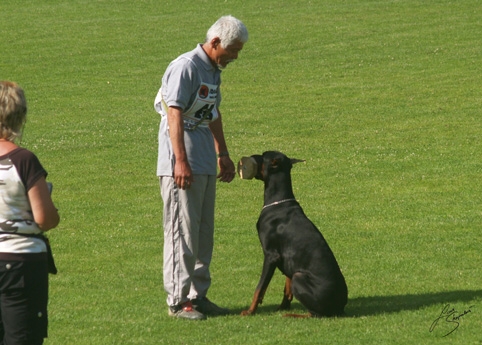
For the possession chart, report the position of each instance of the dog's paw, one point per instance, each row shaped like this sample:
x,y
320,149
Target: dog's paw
x,y
285,306
286,303
246,312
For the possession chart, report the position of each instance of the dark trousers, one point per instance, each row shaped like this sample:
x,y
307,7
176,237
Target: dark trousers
x,y
23,302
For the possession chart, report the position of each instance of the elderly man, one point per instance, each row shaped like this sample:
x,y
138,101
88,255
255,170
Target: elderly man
x,y
191,148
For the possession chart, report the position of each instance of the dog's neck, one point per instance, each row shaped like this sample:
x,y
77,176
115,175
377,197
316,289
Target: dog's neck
x,y
278,188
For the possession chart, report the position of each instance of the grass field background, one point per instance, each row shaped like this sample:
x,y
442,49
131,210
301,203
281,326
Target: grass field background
x,y
381,98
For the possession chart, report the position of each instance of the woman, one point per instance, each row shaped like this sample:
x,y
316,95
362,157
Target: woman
x,y
26,211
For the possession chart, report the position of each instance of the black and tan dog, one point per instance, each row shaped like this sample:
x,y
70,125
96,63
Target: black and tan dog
x,y
292,243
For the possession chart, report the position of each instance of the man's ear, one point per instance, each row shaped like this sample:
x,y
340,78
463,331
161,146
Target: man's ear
x,y
215,42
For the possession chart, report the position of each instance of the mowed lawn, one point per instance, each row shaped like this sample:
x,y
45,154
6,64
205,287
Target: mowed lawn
x,y
381,98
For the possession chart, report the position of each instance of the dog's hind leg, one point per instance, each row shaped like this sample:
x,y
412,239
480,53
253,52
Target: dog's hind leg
x,y
287,296
321,298
286,303
301,287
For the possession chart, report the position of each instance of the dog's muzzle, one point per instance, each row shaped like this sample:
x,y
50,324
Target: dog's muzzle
x,y
247,168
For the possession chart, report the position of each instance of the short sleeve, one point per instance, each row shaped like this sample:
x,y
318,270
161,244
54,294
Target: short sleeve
x,y
28,166
180,83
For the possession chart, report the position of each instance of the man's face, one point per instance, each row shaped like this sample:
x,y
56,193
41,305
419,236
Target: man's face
x,y
223,56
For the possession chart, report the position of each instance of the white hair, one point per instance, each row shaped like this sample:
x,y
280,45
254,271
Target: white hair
x,y
229,30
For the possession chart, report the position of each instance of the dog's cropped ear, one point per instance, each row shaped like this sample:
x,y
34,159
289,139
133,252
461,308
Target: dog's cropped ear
x,y
294,160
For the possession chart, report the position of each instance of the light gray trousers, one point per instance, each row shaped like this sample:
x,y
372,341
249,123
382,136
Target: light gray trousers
x,y
188,220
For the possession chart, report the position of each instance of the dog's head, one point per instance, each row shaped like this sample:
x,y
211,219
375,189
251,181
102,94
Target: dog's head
x,y
261,166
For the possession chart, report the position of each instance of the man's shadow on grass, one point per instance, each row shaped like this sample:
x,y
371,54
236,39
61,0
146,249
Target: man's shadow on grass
x,y
376,305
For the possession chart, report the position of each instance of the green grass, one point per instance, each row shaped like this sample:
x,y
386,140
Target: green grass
x,y
382,99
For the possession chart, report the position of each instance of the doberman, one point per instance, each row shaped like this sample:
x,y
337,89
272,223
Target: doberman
x,y
292,243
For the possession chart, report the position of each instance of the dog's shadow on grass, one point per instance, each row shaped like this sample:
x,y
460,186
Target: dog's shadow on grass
x,y
376,305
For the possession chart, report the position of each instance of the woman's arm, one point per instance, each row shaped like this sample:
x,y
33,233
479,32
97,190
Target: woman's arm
x,y
44,212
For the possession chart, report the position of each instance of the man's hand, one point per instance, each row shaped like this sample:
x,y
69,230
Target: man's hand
x,y
183,175
226,169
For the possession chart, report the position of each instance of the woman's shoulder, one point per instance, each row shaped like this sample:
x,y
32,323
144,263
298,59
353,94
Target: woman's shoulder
x,y
23,159
21,153
28,166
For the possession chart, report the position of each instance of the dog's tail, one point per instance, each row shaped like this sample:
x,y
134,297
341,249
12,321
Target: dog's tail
x,y
305,316
299,316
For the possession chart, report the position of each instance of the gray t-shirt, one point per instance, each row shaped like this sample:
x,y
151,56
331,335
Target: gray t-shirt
x,y
191,83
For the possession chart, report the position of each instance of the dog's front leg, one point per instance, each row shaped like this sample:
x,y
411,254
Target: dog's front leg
x,y
287,296
266,275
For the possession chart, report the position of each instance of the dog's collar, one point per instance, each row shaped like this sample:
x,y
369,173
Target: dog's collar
x,y
278,202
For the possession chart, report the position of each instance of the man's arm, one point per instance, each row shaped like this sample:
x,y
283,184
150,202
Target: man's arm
x,y
182,170
226,165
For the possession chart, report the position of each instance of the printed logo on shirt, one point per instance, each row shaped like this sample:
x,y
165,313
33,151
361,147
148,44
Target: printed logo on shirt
x,y
203,91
